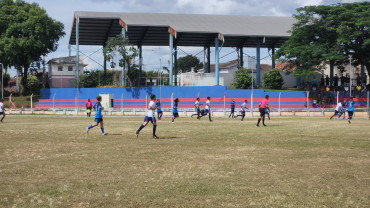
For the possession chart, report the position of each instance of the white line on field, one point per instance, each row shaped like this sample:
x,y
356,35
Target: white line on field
x,y
46,158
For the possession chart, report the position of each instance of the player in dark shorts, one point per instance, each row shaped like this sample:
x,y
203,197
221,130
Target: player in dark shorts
x,y
150,117
2,110
98,117
197,110
159,109
88,107
232,108
262,107
350,107
174,111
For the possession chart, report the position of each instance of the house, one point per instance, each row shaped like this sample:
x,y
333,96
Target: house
x,y
62,71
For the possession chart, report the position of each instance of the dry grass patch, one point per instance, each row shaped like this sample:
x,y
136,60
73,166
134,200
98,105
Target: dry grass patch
x,y
51,162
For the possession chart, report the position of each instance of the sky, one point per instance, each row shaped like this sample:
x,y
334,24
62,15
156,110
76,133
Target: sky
x,y
63,11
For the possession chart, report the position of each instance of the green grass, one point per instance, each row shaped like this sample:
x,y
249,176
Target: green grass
x,y
50,162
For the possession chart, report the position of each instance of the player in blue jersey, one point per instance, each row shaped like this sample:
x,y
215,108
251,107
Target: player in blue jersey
x,y
174,111
350,107
267,112
150,117
98,117
159,109
232,108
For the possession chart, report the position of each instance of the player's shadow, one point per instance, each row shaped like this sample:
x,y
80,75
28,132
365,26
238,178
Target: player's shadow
x,y
115,134
170,137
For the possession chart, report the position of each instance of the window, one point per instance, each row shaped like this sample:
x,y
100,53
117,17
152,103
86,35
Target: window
x,y
60,68
70,68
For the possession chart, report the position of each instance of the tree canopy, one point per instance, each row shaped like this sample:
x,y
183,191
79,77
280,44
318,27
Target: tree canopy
x,y
27,33
243,78
126,53
328,33
185,63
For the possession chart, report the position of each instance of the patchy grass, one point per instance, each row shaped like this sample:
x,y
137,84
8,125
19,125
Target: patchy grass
x,y
51,162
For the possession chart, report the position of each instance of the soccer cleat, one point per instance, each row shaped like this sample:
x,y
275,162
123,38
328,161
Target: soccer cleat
x,y
87,130
155,137
258,125
137,134
349,121
192,115
210,120
104,134
264,125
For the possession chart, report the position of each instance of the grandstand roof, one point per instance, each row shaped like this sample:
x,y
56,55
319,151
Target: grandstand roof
x,y
153,29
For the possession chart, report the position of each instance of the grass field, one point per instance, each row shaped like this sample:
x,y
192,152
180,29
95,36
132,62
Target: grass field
x,y
312,162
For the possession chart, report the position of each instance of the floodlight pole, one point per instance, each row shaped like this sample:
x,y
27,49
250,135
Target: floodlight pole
x,y
124,64
2,81
171,59
350,75
217,61
77,52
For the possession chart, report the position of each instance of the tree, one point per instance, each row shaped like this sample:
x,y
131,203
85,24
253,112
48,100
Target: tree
x,y
273,79
27,33
328,34
242,78
184,64
126,52
32,82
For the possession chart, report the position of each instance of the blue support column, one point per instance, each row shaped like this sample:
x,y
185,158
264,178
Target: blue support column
x,y
208,59
362,74
123,67
331,73
141,63
69,49
171,60
105,69
77,53
241,57
258,75
217,70
273,60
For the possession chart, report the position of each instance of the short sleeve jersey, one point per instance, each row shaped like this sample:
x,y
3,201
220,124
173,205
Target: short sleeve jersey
x,y
1,107
159,107
196,104
244,106
264,103
350,105
98,108
175,107
339,106
208,104
232,104
150,112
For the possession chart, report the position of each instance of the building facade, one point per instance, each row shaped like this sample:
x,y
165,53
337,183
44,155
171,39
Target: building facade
x,y
62,71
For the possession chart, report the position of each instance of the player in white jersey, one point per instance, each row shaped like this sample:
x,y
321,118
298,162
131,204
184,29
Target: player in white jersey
x,y
243,109
2,109
339,110
197,110
150,117
208,109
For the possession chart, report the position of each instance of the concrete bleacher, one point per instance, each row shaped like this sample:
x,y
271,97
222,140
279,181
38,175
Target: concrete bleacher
x,y
137,97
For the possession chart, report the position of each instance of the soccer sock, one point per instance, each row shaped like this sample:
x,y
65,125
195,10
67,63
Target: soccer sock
x,y
209,115
102,130
90,127
258,123
141,127
263,120
173,118
154,129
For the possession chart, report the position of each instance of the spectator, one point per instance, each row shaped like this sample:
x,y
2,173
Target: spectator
x,y
322,81
358,91
327,80
346,90
358,79
336,79
364,79
347,79
342,80
314,82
